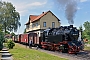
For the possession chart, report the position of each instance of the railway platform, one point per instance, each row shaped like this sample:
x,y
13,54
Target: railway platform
x,y
5,55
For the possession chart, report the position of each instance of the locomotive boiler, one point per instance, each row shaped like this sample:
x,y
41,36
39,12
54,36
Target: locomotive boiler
x,y
64,39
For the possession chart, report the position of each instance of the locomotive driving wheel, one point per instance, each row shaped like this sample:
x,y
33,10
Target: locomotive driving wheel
x,y
65,48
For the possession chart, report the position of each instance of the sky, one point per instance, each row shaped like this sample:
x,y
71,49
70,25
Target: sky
x,y
36,7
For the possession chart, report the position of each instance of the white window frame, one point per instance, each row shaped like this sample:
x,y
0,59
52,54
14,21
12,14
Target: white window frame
x,y
53,24
44,24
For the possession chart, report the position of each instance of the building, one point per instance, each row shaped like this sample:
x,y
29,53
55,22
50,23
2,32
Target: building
x,y
37,23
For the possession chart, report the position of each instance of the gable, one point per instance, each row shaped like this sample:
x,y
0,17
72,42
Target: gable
x,y
49,16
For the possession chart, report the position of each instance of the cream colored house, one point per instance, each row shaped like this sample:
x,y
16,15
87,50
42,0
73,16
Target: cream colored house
x,y
38,23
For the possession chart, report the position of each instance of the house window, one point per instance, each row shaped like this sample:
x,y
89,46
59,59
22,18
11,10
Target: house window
x,y
53,24
33,25
27,26
44,24
36,24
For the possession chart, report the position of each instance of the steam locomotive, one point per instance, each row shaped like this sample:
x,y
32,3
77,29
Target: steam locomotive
x,y
64,39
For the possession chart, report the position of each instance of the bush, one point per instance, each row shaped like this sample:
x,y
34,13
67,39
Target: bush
x,y
10,44
6,40
1,46
1,39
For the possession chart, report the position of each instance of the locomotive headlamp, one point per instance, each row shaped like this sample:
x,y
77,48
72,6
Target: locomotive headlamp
x,y
61,45
75,34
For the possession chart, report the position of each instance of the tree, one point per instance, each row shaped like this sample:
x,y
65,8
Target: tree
x,y
87,26
1,39
24,30
13,34
87,29
80,28
9,17
7,32
1,27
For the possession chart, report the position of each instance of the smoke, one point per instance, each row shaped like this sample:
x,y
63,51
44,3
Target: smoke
x,y
70,8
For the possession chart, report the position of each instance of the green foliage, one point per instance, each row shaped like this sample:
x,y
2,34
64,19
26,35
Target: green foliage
x,y
7,32
80,28
25,30
86,32
84,35
9,17
1,46
10,44
87,25
1,27
1,39
6,40
13,34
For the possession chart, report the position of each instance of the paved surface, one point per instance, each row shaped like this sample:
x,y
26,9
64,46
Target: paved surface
x,y
5,54
88,45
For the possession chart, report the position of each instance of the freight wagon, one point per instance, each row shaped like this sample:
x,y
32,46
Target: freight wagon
x,y
15,38
24,38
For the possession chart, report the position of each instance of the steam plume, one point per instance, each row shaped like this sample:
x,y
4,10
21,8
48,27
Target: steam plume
x,y
70,8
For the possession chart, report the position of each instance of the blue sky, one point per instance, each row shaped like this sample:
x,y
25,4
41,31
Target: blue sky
x,y
36,7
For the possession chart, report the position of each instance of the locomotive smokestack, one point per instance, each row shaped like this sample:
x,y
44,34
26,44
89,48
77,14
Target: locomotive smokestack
x,y
70,8
71,26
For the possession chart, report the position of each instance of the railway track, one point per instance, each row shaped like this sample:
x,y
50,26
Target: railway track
x,y
83,55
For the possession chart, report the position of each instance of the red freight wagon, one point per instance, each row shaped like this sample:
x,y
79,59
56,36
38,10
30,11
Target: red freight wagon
x,y
34,37
19,38
30,36
16,38
24,38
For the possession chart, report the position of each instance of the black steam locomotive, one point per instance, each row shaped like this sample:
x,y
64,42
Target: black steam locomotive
x,y
64,38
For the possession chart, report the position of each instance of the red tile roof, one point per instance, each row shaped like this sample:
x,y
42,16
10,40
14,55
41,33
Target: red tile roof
x,y
34,18
31,17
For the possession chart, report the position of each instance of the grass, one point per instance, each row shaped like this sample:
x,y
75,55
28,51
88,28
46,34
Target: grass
x,y
89,42
0,55
22,53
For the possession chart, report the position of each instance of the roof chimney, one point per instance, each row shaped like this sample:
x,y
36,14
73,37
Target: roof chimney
x,y
43,12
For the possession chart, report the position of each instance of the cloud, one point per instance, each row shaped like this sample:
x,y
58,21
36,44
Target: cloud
x,y
78,8
24,7
37,4
83,0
